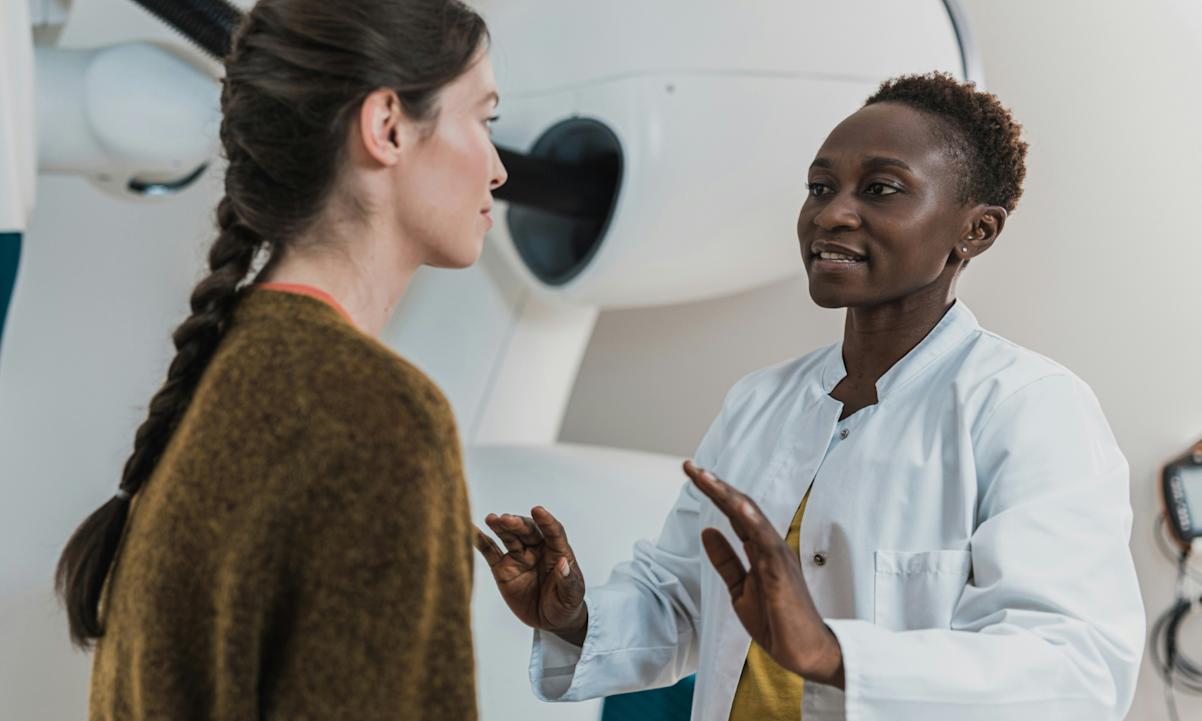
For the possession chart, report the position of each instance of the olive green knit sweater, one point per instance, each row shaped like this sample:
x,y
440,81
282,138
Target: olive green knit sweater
x,y
303,550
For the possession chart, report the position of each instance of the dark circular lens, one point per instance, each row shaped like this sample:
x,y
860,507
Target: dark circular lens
x,y
557,246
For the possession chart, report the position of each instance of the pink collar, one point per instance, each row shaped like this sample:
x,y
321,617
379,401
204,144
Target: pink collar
x,y
300,289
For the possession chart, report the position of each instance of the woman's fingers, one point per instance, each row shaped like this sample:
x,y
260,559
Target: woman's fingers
x,y
488,548
723,556
552,531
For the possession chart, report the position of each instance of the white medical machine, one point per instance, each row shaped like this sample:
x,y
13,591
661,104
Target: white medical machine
x,y
657,155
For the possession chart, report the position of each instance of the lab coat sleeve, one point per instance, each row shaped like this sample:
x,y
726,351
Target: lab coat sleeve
x,y
642,630
1051,625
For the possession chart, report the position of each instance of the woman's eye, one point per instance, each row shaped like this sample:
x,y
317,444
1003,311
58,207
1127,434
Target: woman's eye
x,y
818,190
490,121
880,189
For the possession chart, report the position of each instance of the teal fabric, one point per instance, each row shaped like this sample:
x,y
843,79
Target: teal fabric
x,y
673,703
10,256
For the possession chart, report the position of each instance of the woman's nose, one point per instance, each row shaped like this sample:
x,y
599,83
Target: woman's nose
x,y
500,174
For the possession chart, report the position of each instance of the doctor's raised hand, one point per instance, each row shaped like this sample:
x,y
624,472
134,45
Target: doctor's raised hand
x,y
538,577
770,596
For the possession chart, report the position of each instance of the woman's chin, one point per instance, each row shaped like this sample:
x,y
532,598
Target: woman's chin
x,y
823,298
459,258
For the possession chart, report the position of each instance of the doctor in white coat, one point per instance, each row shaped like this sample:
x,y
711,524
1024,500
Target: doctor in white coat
x,y
924,522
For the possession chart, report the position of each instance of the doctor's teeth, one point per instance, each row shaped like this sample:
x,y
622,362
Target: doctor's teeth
x,y
839,256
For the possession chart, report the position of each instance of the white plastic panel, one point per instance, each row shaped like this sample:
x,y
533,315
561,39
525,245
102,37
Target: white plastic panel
x,y
715,171
592,41
18,163
719,107
94,23
48,12
129,111
505,359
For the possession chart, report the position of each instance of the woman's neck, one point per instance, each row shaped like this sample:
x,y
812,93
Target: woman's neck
x,y
876,338
367,280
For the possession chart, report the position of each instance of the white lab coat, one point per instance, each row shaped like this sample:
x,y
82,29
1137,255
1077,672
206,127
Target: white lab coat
x,y
965,539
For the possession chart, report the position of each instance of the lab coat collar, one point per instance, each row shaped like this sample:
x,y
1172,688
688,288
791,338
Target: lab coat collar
x,y
955,326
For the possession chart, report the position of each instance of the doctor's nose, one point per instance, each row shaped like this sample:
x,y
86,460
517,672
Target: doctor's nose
x,y
838,213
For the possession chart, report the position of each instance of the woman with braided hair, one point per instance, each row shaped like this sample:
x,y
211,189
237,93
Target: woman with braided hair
x,y
290,537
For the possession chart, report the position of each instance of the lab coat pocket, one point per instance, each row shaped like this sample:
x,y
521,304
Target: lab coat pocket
x,y
919,589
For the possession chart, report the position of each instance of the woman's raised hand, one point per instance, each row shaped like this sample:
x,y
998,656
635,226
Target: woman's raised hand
x,y
770,597
538,577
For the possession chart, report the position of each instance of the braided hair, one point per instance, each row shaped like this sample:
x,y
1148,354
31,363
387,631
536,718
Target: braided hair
x,y
297,73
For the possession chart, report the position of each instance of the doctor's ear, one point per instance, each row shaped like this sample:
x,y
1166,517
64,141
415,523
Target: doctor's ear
x,y
384,128
982,230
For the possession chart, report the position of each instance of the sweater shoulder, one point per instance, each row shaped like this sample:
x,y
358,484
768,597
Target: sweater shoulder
x,y
315,372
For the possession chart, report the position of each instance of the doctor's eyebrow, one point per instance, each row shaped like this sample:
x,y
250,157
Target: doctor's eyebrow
x,y
876,162
491,97
879,162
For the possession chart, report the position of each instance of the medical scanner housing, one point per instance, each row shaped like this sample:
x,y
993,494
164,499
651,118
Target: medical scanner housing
x,y
711,129
135,118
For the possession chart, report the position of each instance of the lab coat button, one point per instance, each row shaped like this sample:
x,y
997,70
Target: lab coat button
x,y
820,559
844,433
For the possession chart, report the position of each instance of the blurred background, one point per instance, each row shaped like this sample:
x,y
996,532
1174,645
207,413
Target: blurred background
x,y
1099,269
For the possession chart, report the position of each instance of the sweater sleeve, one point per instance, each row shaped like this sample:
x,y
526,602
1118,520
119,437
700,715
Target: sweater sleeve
x,y
374,623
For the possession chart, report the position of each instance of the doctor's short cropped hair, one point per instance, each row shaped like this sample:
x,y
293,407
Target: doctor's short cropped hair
x,y
983,136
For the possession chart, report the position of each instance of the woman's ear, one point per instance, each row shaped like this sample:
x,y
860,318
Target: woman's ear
x,y
384,129
985,225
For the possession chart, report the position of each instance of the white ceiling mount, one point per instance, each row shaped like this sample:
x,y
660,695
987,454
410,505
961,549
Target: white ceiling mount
x,y
134,118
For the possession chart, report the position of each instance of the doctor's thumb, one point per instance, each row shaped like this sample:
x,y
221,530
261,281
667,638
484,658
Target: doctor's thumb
x,y
569,582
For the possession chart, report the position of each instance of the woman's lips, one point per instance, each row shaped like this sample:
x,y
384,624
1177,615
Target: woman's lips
x,y
836,266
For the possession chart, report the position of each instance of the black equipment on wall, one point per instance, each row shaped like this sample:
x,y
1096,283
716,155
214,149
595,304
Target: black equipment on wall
x,y
1181,493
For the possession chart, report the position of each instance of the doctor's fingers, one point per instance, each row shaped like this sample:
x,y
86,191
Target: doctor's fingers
x,y
569,588
487,547
714,489
723,556
552,531
506,531
524,528
745,516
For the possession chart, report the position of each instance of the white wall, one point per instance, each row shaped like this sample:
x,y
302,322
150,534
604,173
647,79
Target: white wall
x,y
1100,269
101,286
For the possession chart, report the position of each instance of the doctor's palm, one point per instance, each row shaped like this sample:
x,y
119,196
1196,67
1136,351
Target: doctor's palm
x,y
538,577
766,601
769,596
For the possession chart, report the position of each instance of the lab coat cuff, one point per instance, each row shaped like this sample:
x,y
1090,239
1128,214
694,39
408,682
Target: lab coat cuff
x,y
853,635
555,664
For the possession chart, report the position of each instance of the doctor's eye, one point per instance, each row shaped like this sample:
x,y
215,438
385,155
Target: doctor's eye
x,y
490,121
881,189
818,190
